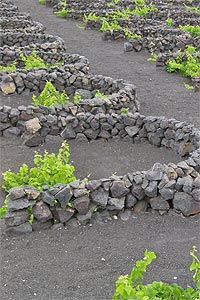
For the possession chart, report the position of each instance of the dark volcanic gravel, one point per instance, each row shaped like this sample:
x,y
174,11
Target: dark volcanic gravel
x,y
83,263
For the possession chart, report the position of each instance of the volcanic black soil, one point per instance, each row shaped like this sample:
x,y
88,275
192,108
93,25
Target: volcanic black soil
x,y
83,263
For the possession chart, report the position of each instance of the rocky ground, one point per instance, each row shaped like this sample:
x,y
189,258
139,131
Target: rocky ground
x,y
84,262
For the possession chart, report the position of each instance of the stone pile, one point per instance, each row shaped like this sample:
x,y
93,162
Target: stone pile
x,y
16,25
165,188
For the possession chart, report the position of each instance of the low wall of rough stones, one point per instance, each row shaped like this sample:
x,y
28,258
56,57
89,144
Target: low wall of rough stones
x,y
15,24
50,56
21,39
163,189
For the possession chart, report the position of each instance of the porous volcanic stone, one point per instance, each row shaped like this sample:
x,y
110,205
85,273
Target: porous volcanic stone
x,y
100,197
41,212
22,228
130,201
159,203
186,204
64,196
116,203
140,206
16,193
7,85
19,204
119,189
81,204
63,214
16,218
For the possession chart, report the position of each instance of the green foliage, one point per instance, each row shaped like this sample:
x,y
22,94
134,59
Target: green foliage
x,y
125,110
131,35
11,67
50,96
142,9
188,86
3,211
62,13
169,22
43,2
193,30
49,170
98,94
188,66
130,287
31,215
195,9
77,97
110,26
153,57
91,17
32,61
112,3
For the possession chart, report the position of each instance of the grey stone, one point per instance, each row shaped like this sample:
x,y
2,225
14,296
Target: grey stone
x,y
100,197
16,218
12,131
140,206
7,85
130,201
81,204
80,137
196,194
68,132
80,192
125,215
132,130
32,126
91,134
166,193
31,192
46,197
42,212
128,47
63,215
19,204
20,229
85,94
116,203
64,195
84,219
138,191
156,172
32,140
93,184
159,203
118,189
152,189
16,193
38,226
186,204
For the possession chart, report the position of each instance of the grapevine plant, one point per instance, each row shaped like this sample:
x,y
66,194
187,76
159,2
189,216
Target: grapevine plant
x,y
131,287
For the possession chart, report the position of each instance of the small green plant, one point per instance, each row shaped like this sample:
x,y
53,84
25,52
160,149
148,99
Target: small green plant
x,y
188,86
98,94
125,110
131,287
91,17
169,22
32,60
31,215
131,35
62,13
77,97
49,170
43,2
50,96
142,9
195,9
11,67
110,26
3,209
186,63
193,30
153,57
